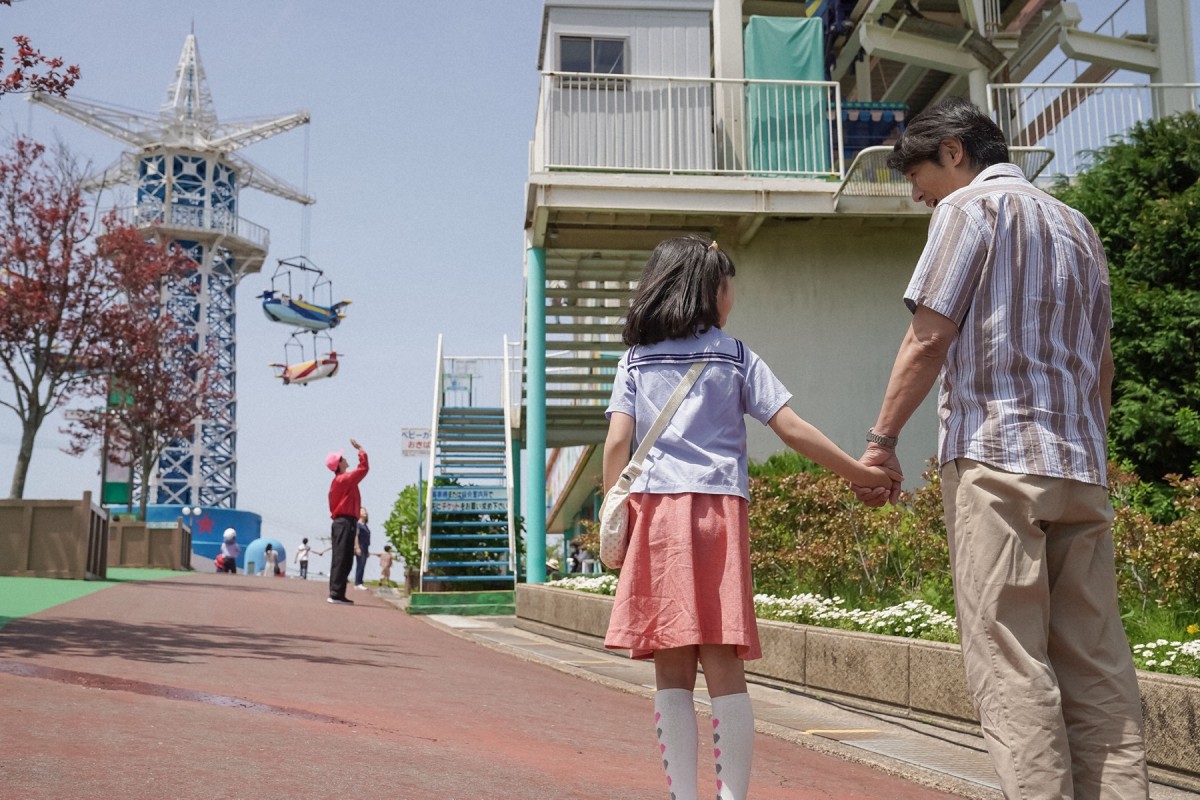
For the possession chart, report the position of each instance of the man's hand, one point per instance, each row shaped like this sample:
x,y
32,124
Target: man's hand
x,y
880,456
355,445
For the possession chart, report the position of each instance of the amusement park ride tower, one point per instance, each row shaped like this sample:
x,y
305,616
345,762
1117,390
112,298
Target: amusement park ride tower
x,y
188,176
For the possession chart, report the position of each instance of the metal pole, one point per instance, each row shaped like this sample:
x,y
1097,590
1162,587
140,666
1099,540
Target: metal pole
x,y
535,382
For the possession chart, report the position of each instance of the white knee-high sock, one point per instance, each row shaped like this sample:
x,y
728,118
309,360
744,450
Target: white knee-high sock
x,y
733,744
675,725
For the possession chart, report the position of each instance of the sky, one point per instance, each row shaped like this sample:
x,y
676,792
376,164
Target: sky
x,y
417,154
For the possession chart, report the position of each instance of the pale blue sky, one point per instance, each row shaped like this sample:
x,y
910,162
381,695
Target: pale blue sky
x,y
422,114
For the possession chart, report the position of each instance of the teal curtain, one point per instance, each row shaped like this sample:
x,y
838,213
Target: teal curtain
x,y
788,127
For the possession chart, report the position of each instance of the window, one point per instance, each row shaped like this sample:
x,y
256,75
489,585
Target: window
x,y
592,55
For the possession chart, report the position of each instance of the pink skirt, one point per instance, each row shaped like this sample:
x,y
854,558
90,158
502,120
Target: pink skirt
x,y
686,577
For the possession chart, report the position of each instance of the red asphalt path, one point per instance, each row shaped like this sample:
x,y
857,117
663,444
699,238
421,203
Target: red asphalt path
x,y
230,686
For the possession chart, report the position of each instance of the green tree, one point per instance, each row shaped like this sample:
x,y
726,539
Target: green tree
x,y
1143,197
402,527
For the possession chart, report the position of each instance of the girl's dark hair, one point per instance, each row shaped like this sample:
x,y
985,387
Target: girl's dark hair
x,y
677,293
953,118
305,541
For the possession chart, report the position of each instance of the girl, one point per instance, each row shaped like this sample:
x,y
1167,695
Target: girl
x,y
271,561
685,594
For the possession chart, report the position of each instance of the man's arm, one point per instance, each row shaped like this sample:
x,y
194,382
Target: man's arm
x,y
918,363
920,360
358,473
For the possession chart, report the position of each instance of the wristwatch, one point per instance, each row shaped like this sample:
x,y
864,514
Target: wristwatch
x,y
879,438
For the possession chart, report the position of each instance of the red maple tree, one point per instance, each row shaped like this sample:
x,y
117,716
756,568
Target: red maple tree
x,y
23,70
159,379
53,291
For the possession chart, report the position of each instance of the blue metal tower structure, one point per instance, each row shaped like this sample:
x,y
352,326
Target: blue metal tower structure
x,y
187,174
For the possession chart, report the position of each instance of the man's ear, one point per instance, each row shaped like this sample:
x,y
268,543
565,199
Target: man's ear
x,y
955,151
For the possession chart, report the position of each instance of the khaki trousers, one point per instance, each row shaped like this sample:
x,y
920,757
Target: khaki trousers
x,y
1047,661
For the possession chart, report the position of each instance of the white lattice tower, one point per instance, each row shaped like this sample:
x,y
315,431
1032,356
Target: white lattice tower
x,y
187,175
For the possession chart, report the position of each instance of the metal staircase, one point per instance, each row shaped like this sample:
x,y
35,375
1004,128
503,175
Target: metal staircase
x,y
468,547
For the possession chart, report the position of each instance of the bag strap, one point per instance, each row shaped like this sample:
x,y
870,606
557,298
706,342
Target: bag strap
x,y
634,468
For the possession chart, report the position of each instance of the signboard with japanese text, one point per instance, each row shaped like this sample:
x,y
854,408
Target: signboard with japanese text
x,y
482,499
415,441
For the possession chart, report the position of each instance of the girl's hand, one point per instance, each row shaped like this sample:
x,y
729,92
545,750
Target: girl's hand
x,y
879,478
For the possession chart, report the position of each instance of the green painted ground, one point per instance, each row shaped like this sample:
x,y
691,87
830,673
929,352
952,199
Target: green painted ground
x,y
20,597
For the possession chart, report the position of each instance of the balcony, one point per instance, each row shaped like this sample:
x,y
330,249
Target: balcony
x,y
246,240
688,126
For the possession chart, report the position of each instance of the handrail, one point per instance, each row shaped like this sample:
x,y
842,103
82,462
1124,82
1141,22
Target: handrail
x,y
1073,120
427,531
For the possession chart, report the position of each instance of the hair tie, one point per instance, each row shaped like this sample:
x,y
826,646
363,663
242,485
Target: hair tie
x,y
713,245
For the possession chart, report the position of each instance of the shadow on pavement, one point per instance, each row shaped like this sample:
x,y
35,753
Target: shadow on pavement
x,y
183,643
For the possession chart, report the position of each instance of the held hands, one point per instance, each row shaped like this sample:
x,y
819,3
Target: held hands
x,y
885,460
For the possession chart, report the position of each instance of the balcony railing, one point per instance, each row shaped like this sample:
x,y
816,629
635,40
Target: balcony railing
x,y
794,129
695,126
1074,119
196,218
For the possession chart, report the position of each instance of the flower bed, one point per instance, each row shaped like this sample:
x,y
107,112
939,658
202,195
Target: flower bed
x,y
913,619
921,678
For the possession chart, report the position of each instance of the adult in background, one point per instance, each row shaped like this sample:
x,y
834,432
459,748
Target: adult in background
x,y
302,554
344,505
1010,304
363,550
229,552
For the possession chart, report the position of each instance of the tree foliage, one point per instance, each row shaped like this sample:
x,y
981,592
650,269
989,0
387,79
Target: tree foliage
x,y
30,71
148,359
402,527
1142,196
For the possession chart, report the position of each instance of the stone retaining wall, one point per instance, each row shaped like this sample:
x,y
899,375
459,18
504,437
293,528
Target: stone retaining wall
x,y
924,678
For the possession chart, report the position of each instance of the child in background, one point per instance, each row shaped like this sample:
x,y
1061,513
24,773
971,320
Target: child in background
x,y
385,566
684,597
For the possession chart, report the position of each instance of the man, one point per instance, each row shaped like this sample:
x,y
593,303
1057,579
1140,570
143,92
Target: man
x,y
363,551
344,505
1010,303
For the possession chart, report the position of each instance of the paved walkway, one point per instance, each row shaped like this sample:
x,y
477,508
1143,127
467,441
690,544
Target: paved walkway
x,y
230,686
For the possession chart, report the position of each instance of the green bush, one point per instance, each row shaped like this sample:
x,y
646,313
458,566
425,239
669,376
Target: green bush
x,y
808,533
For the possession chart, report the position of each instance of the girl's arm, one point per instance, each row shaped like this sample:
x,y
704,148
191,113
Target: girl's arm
x,y
812,444
617,447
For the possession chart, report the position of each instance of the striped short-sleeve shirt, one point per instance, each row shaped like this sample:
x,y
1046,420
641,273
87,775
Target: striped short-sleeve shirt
x,y
1025,278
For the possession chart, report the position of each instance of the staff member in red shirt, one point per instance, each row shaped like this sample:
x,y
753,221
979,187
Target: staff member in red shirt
x,y
344,504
